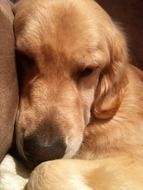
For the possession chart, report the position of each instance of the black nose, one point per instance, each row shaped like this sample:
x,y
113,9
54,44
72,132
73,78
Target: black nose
x,y
38,148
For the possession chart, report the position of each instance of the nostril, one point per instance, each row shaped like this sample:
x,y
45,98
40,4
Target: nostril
x,y
31,144
39,149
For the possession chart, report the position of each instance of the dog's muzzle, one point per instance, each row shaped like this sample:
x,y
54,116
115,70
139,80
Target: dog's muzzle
x,y
44,145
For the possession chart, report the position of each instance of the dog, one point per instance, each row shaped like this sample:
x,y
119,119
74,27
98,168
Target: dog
x,y
80,98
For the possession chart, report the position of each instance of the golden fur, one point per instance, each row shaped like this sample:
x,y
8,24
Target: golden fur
x,y
77,75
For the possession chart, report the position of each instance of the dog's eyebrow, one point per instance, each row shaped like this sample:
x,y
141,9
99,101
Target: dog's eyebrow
x,y
84,62
79,67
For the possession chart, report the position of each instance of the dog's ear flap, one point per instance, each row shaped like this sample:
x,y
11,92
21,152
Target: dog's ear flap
x,y
112,81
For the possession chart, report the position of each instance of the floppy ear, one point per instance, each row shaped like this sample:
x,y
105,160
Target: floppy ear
x,y
112,81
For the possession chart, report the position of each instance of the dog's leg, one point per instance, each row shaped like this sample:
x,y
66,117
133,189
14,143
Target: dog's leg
x,y
107,174
58,175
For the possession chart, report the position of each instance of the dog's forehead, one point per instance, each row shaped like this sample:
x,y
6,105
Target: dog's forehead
x,y
69,29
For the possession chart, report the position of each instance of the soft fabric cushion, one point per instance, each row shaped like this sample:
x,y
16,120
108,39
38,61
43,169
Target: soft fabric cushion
x,y
8,78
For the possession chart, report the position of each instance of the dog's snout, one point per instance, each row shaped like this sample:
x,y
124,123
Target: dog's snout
x,y
39,148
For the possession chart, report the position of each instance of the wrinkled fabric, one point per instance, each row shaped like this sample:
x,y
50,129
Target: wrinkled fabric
x,y
8,78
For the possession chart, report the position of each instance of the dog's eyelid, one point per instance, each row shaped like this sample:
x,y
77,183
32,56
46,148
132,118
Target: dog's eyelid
x,y
84,72
22,53
87,71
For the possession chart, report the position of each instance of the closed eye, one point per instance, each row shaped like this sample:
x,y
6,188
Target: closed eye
x,y
86,72
83,73
26,67
23,59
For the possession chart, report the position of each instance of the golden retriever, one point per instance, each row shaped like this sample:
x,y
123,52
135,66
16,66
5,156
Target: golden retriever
x,y
79,98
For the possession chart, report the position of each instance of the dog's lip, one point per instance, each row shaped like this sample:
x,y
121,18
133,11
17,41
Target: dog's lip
x,y
72,149
31,163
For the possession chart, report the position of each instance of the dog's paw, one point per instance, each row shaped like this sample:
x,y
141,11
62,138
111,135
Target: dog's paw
x,y
56,175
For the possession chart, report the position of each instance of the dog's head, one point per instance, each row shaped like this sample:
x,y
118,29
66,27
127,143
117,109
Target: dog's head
x,y
72,61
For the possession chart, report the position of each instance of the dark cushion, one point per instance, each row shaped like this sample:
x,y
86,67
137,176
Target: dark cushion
x,y
8,78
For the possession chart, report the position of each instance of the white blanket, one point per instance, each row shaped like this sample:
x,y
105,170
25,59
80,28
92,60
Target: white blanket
x,y
13,175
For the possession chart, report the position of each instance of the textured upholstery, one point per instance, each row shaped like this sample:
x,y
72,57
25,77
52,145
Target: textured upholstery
x,y
8,78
